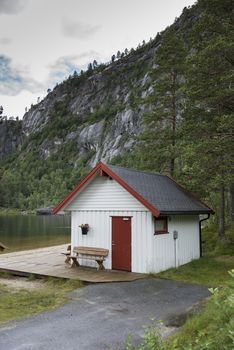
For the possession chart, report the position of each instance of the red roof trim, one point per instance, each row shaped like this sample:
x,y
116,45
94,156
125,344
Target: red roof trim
x,y
76,189
103,167
135,194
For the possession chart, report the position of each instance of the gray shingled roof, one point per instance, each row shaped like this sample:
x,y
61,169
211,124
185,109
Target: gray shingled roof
x,y
161,192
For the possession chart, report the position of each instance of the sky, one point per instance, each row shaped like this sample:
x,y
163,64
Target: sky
x,y
43,41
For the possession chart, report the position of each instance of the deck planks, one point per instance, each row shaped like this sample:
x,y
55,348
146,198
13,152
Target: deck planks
x,y
50,262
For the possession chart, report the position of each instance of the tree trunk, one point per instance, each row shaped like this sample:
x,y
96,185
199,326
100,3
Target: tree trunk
x,y
172,160
232,201
222,213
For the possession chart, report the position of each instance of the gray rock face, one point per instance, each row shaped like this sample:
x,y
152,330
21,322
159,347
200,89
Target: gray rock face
x,y
90,136
105,118
49,147
99,114
11,138
119,136
99,117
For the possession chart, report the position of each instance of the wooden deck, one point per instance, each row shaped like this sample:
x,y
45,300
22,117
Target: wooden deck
x,y
50,262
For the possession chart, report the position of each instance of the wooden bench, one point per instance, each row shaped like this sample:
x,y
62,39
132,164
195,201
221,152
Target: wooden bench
x,y
90,253
67,254
2,247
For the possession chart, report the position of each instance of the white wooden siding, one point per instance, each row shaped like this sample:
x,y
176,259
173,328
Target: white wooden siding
x,y
150,253
100,235
168,253
103,198
188,240
104,194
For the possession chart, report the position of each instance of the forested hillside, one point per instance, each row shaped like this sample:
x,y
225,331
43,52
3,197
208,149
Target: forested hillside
x,y
166,106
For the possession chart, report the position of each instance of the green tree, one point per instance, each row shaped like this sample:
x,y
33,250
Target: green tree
x,y
1,112
95,64
209,118
161,132
90,67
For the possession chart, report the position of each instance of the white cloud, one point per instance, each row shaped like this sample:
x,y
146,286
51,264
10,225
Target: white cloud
x,y
11,7
14,80
66,65
45,30
5,41
79,30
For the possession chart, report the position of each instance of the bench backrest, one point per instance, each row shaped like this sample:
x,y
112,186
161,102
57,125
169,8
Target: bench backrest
x,y
2,246
91,251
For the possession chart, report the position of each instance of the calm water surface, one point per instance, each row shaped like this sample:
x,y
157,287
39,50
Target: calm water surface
x,y
19,232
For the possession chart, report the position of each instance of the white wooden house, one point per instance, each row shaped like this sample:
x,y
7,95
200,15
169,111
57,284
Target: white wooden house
x,y
148,222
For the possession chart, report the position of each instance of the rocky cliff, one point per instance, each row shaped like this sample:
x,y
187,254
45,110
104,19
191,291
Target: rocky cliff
x,y
98,113
91,116
11,138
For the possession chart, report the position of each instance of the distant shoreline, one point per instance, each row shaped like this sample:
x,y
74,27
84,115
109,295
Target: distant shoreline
x,y
14,211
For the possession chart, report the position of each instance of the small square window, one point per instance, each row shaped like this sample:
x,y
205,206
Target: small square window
x,y
160,225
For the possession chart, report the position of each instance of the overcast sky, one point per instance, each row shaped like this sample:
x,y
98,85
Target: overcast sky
x,y
43,41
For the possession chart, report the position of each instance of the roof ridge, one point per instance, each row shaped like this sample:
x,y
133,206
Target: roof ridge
x,y
135,170
158,198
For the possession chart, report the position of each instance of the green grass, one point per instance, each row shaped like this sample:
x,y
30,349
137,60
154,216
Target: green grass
x,y
211,269
15,304
211,328
10,211
212,246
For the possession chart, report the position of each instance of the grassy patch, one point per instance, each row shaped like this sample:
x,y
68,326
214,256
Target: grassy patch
x,y
15,304
213,246
210,271
12,211
210,329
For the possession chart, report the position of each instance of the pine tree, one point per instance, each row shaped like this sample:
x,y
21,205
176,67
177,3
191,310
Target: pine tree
x,y
162,124
126,52
95,64
209,118
90,67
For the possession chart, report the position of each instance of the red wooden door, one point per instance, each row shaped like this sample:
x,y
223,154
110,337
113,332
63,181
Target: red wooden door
x,y
121,243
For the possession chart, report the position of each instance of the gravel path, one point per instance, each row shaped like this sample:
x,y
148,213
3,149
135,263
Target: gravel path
x,y
101,316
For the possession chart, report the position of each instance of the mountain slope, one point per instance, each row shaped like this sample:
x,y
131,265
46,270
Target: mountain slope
x,y
101,111
96,115
134,111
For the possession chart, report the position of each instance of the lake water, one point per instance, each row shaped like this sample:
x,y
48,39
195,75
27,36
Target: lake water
x,y
19,232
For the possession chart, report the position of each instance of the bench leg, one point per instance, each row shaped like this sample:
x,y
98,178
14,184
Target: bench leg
x,y
100,265
74,261
67,260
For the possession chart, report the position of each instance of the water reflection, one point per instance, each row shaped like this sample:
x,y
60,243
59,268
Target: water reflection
x,y
20,232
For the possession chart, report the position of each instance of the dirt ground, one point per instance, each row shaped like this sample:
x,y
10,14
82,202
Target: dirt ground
x,y
18,283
